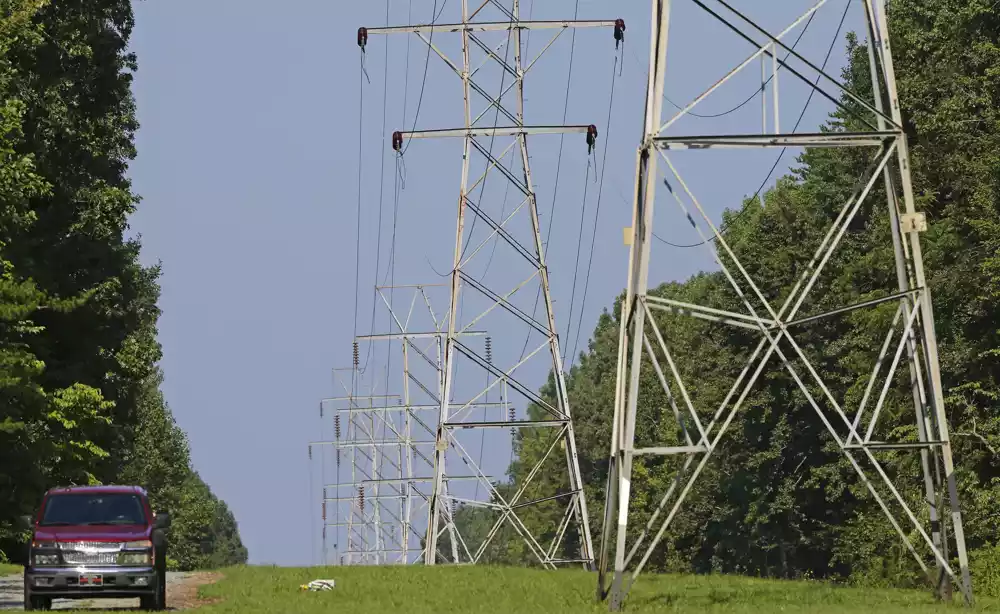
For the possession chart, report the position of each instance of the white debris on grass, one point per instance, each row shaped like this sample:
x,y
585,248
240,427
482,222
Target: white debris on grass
x,y
318,585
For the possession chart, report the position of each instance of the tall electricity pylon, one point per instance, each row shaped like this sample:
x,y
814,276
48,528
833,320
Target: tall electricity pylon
x,y
474,29
641,338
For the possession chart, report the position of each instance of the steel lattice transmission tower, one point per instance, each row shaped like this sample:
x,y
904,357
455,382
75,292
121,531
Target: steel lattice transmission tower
x,y
365,440
518,239
388,439
642,343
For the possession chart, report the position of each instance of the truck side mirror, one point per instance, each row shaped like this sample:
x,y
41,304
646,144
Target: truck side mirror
x,y
161,520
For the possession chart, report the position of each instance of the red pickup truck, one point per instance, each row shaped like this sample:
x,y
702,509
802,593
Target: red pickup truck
x,y
96,541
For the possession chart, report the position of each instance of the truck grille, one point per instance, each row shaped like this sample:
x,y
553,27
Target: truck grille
x,y
90,558
90,553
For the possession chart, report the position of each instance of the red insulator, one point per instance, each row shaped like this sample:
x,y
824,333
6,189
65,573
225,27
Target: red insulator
x,y
363,37
397,141
591,137
619,31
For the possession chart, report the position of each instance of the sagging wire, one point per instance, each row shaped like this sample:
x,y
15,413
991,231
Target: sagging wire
x,y
400,162
435,15
362,42
781,154
597,219
357,248
555,188
756,92
378,248
398,184
579,247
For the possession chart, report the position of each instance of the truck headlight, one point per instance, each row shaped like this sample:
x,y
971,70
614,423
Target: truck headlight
x,y
134,558
46,559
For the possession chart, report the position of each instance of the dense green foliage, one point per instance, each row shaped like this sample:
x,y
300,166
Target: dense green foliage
x,y
778,498
79,398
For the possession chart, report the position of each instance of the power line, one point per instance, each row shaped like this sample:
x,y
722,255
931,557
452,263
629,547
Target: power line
x,y
496,122
777,161
597,217
555,189
391,267
579,246
357,249
435,15
381,188
756,91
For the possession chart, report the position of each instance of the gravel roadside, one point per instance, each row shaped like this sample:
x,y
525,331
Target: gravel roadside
x,y
182,591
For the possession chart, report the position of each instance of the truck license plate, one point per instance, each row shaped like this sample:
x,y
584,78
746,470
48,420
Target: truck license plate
x,y
92,580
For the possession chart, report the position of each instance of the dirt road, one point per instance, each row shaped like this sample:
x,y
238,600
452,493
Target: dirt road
x,y
182,594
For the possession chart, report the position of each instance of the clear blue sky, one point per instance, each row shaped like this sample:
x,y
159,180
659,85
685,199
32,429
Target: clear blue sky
x,y
248,170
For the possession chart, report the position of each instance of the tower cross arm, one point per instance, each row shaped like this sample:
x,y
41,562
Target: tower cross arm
x,y
493,131
494,26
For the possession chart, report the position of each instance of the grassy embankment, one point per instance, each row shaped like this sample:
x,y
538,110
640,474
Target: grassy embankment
x,y
6,569
418,590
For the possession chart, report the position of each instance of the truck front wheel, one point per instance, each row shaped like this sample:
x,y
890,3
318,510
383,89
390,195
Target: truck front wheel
x,y
158,600
34,602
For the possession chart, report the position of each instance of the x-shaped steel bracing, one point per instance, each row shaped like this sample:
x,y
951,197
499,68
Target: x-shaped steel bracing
x,y
454,415
641,336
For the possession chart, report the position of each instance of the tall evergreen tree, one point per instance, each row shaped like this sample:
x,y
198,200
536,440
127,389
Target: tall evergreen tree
x,y
79,398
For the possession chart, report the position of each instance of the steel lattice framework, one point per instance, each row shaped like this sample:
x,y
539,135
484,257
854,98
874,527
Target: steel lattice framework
x,y
517,234
388,439
642,343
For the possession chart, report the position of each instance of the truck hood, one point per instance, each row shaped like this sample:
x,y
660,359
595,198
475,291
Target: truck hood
x,y
94,533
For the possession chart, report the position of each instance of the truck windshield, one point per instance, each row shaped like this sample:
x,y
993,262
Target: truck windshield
x,y
75,509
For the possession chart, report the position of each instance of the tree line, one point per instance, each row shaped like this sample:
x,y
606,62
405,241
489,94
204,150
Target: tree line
x,y
80,399
778,498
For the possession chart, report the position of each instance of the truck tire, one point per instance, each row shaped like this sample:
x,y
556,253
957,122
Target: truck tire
x,y
34,603
161,592
158,600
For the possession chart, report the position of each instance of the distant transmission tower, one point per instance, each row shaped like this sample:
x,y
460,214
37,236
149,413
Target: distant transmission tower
x,y
361,442
388,440
641,339
387,465
478,51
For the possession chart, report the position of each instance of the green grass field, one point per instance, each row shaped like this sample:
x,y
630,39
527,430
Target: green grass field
x,y
252,590
6,569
